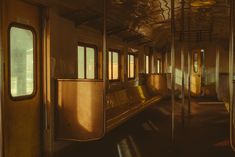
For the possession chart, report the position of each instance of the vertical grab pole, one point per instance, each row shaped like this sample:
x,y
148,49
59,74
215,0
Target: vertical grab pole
x,y
1,76
231,63
217,63
104,62
182,62
189,80
182,89
47,74
189,60
172,71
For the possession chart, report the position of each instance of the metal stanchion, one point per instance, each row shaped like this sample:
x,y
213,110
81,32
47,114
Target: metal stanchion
x,y
231,64
173,71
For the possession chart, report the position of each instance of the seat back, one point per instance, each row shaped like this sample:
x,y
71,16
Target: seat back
x,y
137,94
116,99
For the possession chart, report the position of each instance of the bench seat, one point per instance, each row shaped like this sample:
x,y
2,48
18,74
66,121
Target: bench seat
x,y
126,103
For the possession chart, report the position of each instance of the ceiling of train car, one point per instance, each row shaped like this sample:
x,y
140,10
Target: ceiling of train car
x,y
148,21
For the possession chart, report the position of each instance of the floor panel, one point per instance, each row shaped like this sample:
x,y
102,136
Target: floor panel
x,y
205,133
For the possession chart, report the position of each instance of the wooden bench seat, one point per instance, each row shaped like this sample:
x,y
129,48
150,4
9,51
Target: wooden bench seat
x,y
124,104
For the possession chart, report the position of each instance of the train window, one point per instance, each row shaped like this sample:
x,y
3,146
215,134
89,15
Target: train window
x,y
90,63
146,64
22,81
131,66
113,65
81,54
158,66
86,61
195,62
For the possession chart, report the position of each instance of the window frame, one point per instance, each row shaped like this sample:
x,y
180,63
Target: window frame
x,y
128,69
119,65
35,52
88,45
145,58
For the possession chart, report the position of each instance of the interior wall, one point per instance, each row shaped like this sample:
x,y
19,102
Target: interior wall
x,y
210,64
213,83
63,47
64,37
223,79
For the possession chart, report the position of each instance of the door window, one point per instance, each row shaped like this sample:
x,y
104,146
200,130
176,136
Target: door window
x,y
22,81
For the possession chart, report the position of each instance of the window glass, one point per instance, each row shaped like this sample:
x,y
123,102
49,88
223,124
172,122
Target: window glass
x,y
110,65
81,56
131,66
21,62
147,64
115,65
158,66
86,62
90,63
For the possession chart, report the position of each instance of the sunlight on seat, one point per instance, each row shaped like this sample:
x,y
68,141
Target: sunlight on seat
x,y
140,90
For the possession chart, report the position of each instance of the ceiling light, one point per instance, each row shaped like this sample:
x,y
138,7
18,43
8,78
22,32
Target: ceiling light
x,y
202,3
118,2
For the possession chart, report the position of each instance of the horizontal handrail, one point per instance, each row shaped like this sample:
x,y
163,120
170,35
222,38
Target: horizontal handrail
x,y
80,80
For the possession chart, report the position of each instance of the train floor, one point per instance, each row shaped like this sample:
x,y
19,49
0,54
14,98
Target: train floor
x,y
205,133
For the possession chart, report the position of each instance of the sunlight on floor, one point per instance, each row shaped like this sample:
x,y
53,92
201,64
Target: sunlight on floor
x,y
128,148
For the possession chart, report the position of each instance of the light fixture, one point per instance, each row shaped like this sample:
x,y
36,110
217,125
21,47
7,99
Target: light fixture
x,y
118,2
202,3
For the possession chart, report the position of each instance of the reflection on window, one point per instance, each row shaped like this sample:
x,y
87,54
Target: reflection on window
x,y
147,64
113,65
81,65
21,62
195,62
158,66
90,63
131,66
86,62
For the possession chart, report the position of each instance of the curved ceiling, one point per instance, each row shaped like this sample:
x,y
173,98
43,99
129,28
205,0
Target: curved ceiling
x,y
147,22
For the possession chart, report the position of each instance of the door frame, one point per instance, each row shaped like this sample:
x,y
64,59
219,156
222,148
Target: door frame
x,y
48,109
5,58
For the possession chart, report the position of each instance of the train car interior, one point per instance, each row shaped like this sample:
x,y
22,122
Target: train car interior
x,y
117,78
